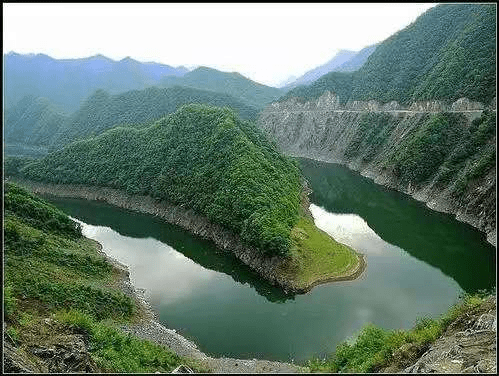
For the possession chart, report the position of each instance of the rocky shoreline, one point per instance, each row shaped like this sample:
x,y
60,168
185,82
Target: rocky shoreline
x,y
196,224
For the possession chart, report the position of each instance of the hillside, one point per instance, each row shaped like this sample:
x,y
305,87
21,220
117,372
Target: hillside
x,y
194,157
66,82
233,84
444,155
102,111
30,125
447,53
34,122
62,313
222,168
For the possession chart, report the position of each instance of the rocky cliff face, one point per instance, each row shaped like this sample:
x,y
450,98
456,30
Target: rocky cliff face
x,y
374,139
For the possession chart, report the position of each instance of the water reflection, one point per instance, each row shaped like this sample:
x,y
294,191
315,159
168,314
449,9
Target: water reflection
x,y
456,248
210,297
142,230
350,229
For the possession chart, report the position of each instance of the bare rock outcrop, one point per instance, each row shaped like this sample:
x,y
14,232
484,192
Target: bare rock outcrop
x,y
469,345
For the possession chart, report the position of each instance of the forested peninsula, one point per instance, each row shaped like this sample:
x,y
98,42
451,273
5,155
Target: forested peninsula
x,y
222,168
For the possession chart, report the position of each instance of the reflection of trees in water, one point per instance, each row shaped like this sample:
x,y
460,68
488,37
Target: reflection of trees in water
x,y
432,237
201,251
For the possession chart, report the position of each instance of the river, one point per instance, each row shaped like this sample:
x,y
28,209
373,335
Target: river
x,y
418,263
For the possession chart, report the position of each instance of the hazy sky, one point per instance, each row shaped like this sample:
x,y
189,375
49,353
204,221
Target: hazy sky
x,y
265,42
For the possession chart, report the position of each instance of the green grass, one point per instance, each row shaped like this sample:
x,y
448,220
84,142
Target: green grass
x,y
315,256
374,347
51,270
114,350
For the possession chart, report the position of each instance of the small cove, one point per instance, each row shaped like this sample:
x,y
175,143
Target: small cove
x,y
418,263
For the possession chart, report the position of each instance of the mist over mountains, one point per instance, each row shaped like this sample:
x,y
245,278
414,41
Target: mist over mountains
x,y
66,82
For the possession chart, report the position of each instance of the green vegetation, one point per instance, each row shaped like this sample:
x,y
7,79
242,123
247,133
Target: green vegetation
x,y
374,130
374,347
34,122
443,148
203,157
316,257
419,155
51,269
12,165
114,350
337,82
449,52
103,111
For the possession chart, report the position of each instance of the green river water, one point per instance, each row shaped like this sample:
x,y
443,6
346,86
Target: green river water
x,y
418,263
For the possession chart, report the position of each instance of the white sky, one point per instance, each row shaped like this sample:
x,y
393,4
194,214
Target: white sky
x,y
265,42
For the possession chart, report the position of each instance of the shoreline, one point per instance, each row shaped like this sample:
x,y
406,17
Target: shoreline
x,y
266,267
432,204
147,326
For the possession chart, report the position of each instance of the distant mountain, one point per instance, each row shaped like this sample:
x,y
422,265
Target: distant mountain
x,y
340,58
67,82
234,84
36,123
447,53
287,81
357,60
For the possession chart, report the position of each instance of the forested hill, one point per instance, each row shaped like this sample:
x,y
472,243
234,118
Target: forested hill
x,y
102,111
66,82
448,53
234,84
35,122
203,157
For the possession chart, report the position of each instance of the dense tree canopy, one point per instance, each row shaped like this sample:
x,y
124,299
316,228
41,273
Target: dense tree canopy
x,y
447,53
203,157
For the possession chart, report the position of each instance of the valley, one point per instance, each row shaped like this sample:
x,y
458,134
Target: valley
x,y
159,218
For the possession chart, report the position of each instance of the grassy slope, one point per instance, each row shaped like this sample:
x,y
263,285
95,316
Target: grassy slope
x,y
53,271
316,257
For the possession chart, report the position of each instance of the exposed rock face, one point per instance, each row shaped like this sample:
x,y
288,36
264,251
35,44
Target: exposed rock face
x,y
323,129
469,345
53,349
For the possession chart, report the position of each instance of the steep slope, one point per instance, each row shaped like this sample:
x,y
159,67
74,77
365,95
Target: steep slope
x,y
339,59
443,155
30,125
233,84
227,181
193,157
66,82
447,53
